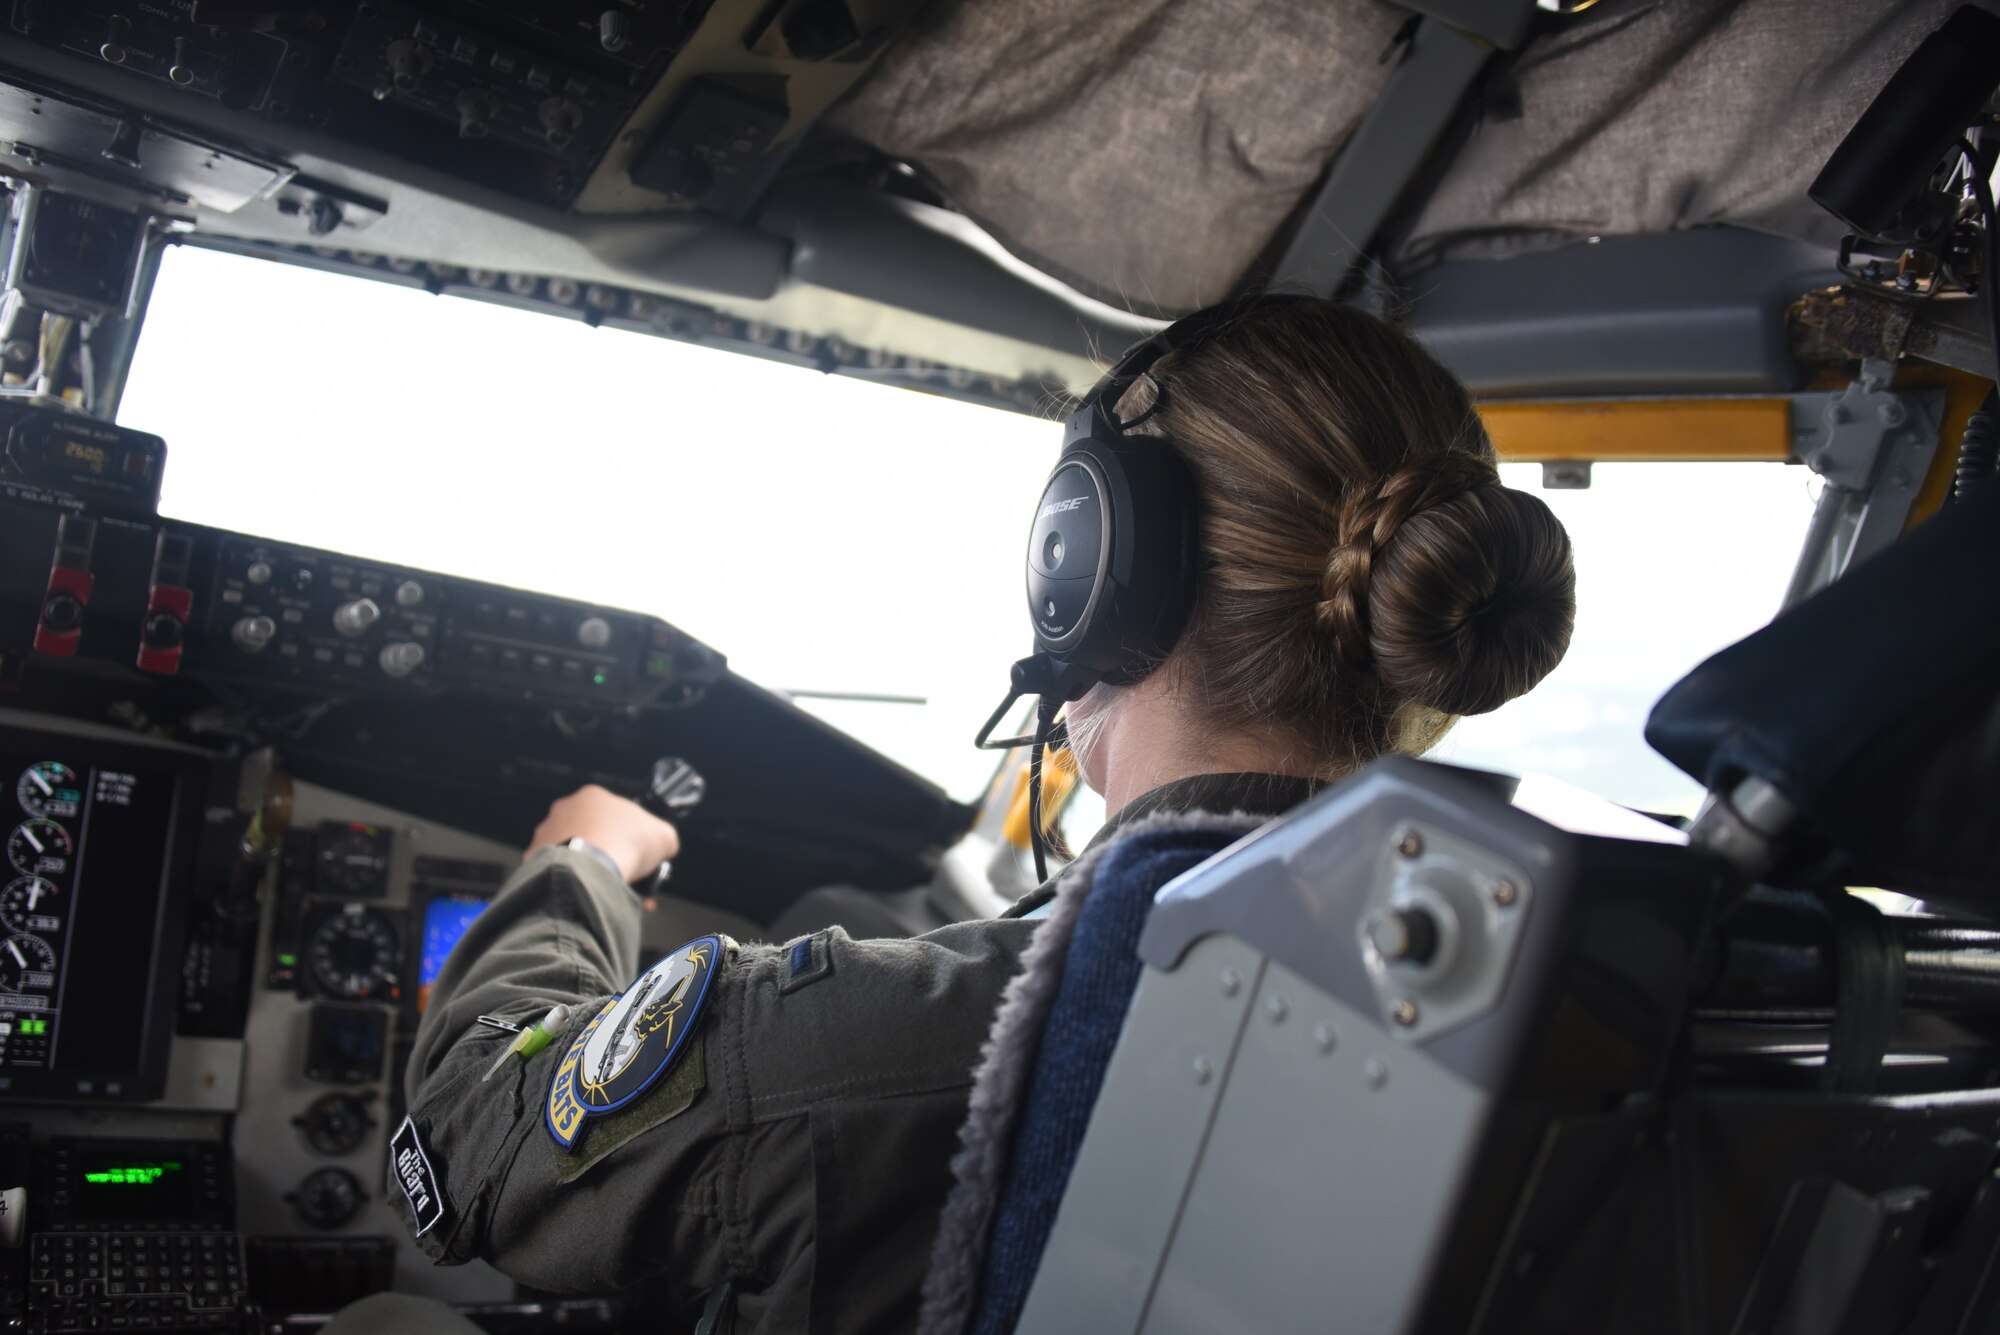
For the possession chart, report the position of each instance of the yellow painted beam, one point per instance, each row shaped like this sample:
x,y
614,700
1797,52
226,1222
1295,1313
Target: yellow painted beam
x,y
1641,430
1962,396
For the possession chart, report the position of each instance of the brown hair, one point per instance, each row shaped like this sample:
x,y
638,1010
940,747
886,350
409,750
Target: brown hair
x,y
1366,578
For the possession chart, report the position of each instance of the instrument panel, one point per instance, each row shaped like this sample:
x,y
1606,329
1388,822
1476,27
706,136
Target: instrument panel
x,y
265,1145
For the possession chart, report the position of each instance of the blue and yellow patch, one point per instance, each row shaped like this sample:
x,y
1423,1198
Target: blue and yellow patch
x,y
632,1041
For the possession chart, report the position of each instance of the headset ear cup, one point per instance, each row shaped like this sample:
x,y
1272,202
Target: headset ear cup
x,y
1129,505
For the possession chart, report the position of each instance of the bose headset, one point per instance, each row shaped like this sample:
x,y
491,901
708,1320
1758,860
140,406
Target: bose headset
x,y
1111,558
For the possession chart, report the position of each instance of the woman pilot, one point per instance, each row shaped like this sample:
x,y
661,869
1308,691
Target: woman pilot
x,y
778,1122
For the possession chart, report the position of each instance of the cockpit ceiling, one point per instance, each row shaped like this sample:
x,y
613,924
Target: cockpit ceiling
x,y
1150,152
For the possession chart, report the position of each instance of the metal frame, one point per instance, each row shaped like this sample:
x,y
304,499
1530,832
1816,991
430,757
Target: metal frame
x,y
1874,447
1383,159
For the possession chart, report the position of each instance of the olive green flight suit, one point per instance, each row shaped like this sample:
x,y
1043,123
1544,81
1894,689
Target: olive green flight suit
x,y
799,1148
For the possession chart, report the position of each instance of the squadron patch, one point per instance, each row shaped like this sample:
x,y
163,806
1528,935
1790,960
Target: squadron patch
x,y
632,1041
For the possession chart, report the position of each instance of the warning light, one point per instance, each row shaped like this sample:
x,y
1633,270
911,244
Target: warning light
x,y
288,959
599,679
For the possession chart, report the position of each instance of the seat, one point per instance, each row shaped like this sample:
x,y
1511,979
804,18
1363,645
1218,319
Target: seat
x,y
1873,708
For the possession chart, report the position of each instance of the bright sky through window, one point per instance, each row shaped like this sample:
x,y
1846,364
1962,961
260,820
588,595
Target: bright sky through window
x,y
824,533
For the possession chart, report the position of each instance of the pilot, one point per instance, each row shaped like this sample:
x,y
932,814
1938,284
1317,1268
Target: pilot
x,y
777,1122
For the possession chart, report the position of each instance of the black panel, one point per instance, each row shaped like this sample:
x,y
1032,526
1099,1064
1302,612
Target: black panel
x,y
516,96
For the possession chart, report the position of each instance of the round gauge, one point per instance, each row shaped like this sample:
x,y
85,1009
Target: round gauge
x,y
328,1197
354,954
353,861
49,789
30,905
335,1123
27,964
39,846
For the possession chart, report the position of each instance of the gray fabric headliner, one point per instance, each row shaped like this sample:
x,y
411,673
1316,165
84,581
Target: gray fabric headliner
x,y
1147,151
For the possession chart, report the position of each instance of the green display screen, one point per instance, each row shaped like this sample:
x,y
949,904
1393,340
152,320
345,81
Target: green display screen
x,y
131,1175
134,1180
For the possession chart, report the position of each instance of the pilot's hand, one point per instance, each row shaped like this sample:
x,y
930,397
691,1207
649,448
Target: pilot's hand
x,y
637,840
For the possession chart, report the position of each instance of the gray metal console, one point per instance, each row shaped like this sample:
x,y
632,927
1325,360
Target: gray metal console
x,y
1354,1035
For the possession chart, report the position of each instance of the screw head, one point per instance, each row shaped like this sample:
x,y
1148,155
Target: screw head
x,y
1411,844
1327,1040
1203,1072
1277,1007
1232,982
1404,1012
1506,894
1377,1072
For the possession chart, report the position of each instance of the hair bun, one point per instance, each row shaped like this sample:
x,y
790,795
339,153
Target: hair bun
x,y
1471,600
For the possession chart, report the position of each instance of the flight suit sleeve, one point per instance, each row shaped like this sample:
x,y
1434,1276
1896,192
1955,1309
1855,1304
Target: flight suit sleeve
x,y
806,1060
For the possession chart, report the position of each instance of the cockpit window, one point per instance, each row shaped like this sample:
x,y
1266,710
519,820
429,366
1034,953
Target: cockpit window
x,y
1673,562
827,534
834,538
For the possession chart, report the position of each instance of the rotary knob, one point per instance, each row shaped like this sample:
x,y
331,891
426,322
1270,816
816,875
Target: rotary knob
x,y
356,617
1405,936
594,633
253,633
476,109
182,70
409,593
401,658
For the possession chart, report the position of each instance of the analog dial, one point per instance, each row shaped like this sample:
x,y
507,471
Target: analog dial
x,y
353,861
31,904
336,1123
39,847
49,789
27,964
328,1197
355,955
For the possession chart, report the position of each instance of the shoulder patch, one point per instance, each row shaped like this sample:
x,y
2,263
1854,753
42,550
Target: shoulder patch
x,y
666,1100
808,960
410,1162
634,1039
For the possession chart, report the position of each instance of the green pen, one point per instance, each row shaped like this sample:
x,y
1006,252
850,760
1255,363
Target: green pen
x,y
531,1040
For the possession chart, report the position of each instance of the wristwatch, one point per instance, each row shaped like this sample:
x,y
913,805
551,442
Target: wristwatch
x,y
585,846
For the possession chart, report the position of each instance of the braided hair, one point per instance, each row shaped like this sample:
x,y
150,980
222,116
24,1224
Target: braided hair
x,y
1366,579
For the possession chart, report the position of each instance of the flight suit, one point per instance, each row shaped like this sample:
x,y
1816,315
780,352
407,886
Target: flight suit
x,y
797,1150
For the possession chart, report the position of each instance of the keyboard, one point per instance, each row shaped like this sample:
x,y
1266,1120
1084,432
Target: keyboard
x,y
137,1277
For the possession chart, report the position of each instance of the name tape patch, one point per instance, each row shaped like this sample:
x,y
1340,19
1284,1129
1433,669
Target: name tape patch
x,y
632,1041
411,1165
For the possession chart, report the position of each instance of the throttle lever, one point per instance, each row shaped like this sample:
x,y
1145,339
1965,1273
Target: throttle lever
x,y
673,792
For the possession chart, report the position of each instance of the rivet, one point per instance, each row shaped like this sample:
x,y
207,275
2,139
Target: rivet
x,y
1411,844
1277,1007
1324,1036
1506,894
1203,1072
1232,982
1404,1013
1377,1072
